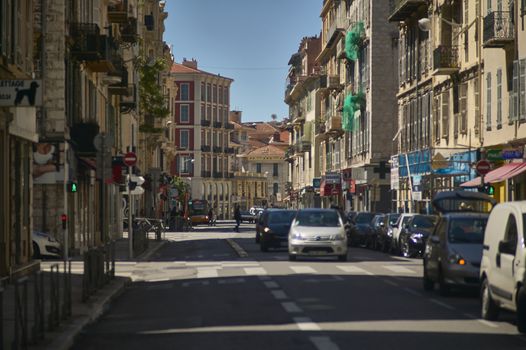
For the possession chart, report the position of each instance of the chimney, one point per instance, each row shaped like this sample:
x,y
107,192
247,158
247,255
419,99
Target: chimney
x,y
234,116
190,64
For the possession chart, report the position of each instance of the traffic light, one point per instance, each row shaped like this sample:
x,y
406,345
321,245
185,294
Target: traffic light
x,y
64,220
488,189
72,187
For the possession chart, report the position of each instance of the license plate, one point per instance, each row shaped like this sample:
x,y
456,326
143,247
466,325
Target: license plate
x,y
318,252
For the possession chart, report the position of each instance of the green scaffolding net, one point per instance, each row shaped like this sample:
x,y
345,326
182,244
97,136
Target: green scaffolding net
x,y
353,40
351,104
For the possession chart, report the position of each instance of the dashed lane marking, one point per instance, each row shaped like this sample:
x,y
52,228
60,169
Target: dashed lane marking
x,y
444,305
271,284
413,292
231,280
291,307
391,283
306,324
279,294
323,343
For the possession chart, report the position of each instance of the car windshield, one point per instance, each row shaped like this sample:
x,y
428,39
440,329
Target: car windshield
x,y
326,218
281,217
393,218
422,221
467,230
364,218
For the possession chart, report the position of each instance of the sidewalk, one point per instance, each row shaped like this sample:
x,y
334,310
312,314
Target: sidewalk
x,y
82,313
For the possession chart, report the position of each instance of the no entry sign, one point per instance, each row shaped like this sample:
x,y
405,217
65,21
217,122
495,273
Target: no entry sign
x,y
130,159
483,167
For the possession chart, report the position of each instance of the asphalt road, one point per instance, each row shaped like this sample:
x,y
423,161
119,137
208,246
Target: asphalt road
x,y
198,293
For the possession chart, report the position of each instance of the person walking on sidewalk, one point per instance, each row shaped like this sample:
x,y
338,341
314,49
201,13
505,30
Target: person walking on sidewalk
x,y
237,217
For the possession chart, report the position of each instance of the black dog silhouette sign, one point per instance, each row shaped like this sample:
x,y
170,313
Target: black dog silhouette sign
x,y
20,93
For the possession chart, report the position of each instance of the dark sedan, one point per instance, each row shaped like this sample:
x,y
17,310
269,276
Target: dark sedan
x,y
414,235
275,226
385,232
361,228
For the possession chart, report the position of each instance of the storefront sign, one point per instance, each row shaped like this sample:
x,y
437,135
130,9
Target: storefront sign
x,y
512,153
332,178
20,93
395,177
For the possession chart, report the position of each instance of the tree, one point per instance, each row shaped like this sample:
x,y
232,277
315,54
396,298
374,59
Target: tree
x,y
152,100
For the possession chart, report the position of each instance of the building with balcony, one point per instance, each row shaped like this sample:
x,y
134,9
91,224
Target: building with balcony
x,y
203,152
269,161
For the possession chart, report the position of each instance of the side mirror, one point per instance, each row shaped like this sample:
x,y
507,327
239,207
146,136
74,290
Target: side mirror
x,y
435,239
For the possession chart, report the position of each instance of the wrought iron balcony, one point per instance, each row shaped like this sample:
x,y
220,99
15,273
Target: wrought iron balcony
x,y
498,29
205,122
118,13
319,128
206,173
445,60
218,174
205,148
338,26
218,125
334,124
129,102
217,149
229,126
229,150
333,82
403,9
302,146
128,31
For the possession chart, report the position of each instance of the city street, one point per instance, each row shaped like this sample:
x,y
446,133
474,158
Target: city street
x,y
198,293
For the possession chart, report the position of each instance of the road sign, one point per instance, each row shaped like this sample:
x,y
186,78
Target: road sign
x,y
130,159
483,167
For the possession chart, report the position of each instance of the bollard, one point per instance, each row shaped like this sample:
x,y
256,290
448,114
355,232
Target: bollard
x,y
38,307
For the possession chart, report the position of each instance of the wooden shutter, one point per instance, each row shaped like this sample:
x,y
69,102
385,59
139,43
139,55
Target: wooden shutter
x,y
436,118
445,114
499,97
521,90
476,87
463,108
488,101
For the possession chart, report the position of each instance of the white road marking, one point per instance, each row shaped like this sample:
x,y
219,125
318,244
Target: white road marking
x,y
279,294
391,283
438,302
413,292
238,264
255,271
291,307
306,324
353,269
231,280
488,323
264,278
302,269
323,343
271,284
207,272
398,269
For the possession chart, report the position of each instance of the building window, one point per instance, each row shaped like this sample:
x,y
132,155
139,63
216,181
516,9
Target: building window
x,y
203,92
220,94
464,108
275,167
184,139
275,188
258,168
185,164
208,93
185,113
185,92
488,101
445,114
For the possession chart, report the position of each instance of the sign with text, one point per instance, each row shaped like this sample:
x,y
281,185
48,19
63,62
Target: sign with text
x,y
20,93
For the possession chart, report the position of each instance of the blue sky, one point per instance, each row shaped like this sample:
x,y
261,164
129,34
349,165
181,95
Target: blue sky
x,y
249,41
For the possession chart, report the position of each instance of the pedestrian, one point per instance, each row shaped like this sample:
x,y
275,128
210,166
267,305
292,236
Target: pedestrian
x,y
211,217
237,217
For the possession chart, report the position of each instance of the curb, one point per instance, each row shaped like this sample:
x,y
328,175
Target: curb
x,y
67,339
237,248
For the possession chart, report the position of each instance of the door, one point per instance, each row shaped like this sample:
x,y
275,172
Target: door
x,y
503,281
433,248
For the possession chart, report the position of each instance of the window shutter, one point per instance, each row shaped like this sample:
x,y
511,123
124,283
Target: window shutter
x,y
436,118
463,108
488,101
476,87
445,114
499,97
521,89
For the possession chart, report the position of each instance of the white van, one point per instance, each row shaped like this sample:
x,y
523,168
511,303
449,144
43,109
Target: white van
x,y
503,266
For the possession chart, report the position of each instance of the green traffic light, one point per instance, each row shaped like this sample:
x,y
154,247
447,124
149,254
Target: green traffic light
x,y
491,190
73,187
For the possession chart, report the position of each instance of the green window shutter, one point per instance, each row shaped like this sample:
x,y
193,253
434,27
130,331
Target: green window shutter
x,y
488,101
499,97
521,90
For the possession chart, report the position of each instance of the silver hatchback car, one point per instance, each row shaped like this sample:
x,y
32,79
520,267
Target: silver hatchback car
x,y
317,232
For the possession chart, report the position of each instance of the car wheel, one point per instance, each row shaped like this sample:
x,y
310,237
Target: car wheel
x,y
404,249
443,288
36,251
257,237
342,257
427,283
521,310
489,309
292,257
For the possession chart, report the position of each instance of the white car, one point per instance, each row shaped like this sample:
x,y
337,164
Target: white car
x,y
503,266
317,232
394,232
45,244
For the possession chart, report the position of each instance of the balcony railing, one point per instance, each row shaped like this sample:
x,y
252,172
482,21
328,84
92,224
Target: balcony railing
x,y
128,31
229,126
205,173
339,25
118,13
403,9
445,60
217,149
229,150
218,174
333,82
302,146
99,52
334,124
218,125
121,88
319,128
205,148
205,122
498,29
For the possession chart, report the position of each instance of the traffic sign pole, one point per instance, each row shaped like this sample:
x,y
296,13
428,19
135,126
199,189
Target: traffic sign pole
x,y
130,223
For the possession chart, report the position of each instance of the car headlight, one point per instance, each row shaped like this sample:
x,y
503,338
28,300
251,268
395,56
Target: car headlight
x,y
266,229
390,232
338,237
456,259
416,236
296,235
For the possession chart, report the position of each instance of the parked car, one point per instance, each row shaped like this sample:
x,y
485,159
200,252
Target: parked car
x,y
413,236
396,229
454,249
246,216
45,245
361,228
317,232
385,233
378,223
275,228
255,211
503,267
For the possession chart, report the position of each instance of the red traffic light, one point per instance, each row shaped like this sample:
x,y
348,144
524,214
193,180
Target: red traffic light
x,y
63,218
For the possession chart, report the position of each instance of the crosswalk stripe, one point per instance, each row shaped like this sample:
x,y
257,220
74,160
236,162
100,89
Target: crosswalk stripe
x,y
206,272
353,269
303,269
255,271
398,269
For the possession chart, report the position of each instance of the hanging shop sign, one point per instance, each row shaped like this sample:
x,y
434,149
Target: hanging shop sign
x,y
20,93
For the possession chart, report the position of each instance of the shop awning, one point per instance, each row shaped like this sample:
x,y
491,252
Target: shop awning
x,y
507,171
